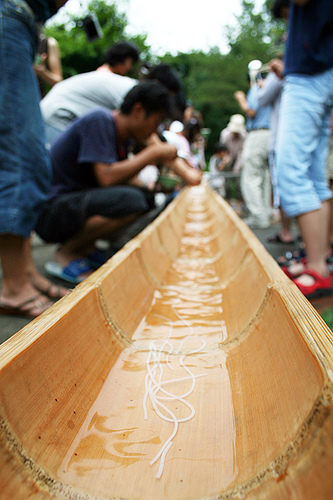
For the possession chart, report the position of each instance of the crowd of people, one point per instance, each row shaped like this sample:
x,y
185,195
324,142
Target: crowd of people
x,y
285,159
70,162
88,158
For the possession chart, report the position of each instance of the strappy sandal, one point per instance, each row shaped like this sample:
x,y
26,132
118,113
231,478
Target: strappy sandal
x,y
321,287
26,312
276,238
53,292
302,260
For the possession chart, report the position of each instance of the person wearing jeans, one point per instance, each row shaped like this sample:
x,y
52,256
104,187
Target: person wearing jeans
x,y
303,137
25,169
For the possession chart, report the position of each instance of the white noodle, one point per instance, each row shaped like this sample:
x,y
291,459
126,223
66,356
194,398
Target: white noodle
x,y
156,392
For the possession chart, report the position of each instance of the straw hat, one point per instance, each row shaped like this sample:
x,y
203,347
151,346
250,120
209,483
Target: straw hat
x,y
236,124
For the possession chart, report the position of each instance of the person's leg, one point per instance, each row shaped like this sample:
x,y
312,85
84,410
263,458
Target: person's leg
x,y
314,230
24,167
246,182
81,245
285,232
284,235
330,232
16,289
77,220
267,209
255,183
329,166
40,282
301,168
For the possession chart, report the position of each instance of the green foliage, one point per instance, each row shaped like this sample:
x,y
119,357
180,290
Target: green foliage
x,y
78,55
211,79
327,316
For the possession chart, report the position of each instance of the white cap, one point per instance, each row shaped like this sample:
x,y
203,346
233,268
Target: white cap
x,y
236,124
176,127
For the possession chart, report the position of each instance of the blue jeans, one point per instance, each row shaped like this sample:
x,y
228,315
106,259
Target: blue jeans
x,y
25,167
302,142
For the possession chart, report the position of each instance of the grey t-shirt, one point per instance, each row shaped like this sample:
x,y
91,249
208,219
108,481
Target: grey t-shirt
x,y
75,96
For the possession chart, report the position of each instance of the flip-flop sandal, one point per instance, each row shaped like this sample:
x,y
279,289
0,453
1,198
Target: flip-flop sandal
x,y
320,288
276,238
20,310
73,272
53,291
302,260
287,269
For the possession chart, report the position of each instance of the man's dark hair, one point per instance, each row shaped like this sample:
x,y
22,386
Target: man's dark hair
x,y
164,74
153,96
219,147
119,52
278,6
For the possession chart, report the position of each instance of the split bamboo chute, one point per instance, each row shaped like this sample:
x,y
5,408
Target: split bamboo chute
x,y
187,367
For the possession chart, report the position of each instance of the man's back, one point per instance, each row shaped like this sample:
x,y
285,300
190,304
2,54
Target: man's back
x,y
79,94
91,139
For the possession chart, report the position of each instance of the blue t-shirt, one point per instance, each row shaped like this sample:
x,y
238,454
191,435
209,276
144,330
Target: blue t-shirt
x,y
90,139
263,116
309,46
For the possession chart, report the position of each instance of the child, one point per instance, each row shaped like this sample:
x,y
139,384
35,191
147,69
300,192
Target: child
x,y
217,163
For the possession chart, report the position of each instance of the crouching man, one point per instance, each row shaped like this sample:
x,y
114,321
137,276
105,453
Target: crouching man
x,y
91,194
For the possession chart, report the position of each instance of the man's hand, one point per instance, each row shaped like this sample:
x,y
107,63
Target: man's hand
x,y
277,66
165,152
121,172
191,176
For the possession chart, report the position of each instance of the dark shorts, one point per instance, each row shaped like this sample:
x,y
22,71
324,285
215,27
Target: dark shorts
x,y
65,215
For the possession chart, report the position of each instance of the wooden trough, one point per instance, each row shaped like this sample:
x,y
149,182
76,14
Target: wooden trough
x,y
187,367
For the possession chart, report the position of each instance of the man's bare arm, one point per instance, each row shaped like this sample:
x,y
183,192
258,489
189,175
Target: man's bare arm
x,y
52,75
121,172
242,101
191,176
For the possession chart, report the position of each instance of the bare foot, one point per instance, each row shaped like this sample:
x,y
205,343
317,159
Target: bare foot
x,y
43,285
296,269
306,280
30,307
